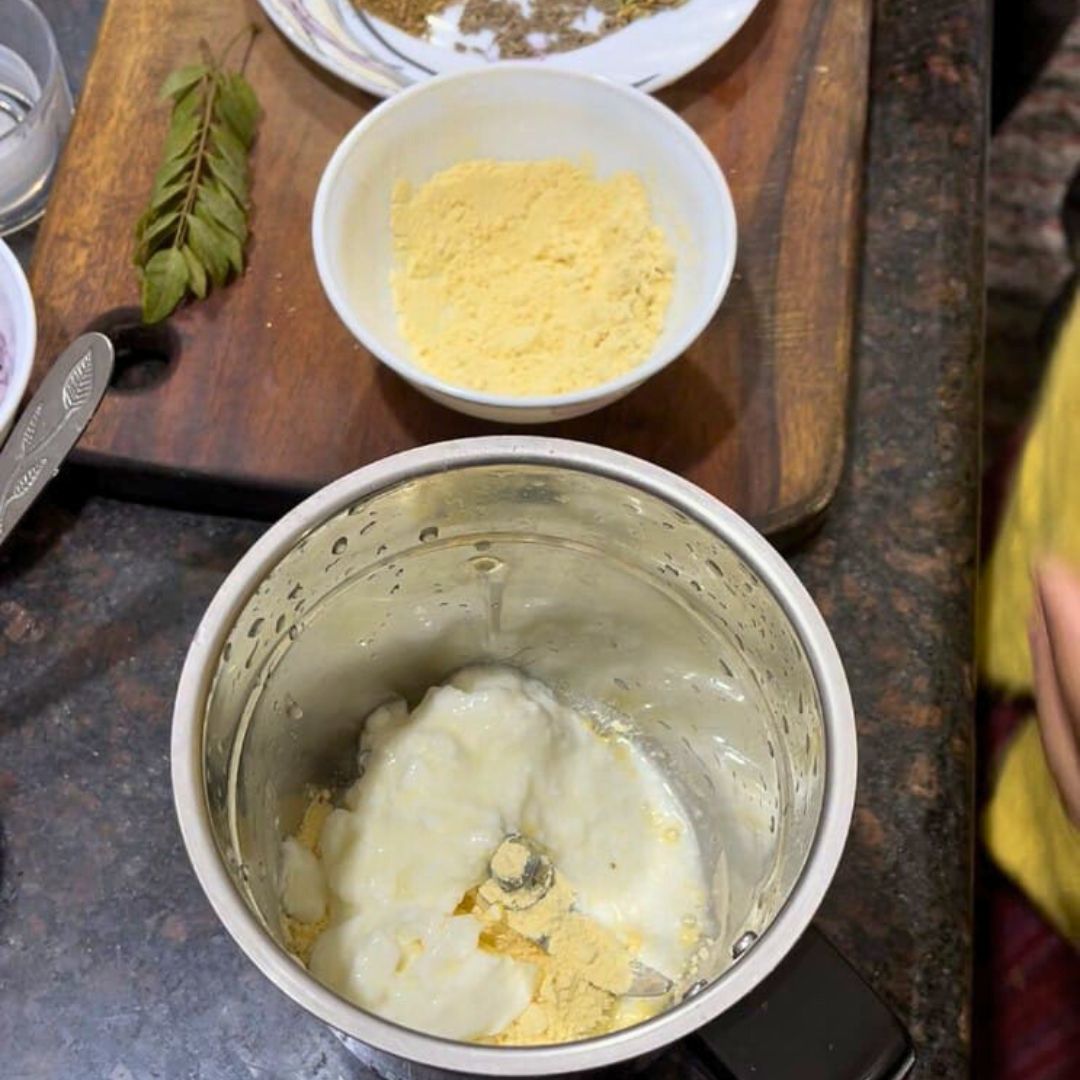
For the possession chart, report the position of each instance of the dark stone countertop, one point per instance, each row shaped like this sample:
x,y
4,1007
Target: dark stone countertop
x,y
111,962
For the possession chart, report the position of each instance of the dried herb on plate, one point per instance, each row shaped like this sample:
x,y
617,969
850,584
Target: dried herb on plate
x,y
192,234
510,29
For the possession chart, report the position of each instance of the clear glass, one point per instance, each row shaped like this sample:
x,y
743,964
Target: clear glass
x,y
35,113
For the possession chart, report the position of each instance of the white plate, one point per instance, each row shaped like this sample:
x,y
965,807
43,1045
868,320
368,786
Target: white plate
x,y
371,54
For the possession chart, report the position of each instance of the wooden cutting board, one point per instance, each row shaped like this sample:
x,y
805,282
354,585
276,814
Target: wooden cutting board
x,y
265,396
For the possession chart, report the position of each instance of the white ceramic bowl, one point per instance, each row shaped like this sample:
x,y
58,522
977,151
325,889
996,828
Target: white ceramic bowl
x,y
515,112
18,336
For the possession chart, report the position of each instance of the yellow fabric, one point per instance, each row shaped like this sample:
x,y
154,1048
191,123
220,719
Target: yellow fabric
x,y
1042,517
1025,826
1030,837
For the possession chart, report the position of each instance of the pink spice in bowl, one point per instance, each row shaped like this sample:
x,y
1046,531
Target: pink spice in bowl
x,y
18,337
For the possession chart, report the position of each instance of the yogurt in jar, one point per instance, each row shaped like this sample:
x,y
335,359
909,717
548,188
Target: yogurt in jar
x,y
492,753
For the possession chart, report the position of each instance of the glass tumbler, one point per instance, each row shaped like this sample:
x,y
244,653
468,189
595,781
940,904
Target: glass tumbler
x,y
35,112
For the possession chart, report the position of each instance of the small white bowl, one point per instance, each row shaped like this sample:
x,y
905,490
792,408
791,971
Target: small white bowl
x,y
519,112
18,336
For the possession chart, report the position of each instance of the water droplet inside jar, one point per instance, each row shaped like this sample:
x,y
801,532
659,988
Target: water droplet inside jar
x,y
492,573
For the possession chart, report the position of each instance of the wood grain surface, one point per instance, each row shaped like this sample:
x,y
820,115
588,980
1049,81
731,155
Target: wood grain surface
x,y
266,392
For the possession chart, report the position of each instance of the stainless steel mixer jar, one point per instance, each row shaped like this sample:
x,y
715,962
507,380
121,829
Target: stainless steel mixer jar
x,y
606,577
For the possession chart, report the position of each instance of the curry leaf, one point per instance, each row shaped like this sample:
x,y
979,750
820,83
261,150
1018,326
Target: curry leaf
x,y
232,177
234,252
229,146
207,244
181,80
160,197
192,233
237,106
169,171
196,272
183,133
221,206
165,279
158,229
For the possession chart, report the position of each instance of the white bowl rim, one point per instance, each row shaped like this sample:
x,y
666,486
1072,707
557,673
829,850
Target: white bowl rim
x,y
613,388
22,355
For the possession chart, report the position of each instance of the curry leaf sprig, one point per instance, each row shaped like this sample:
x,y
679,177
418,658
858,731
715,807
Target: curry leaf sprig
x,y
191,235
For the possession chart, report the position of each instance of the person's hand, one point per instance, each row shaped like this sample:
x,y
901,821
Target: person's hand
x,y
1054,634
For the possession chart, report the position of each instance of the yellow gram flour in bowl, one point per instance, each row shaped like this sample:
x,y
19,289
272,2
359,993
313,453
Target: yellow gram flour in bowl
x,y
528,278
